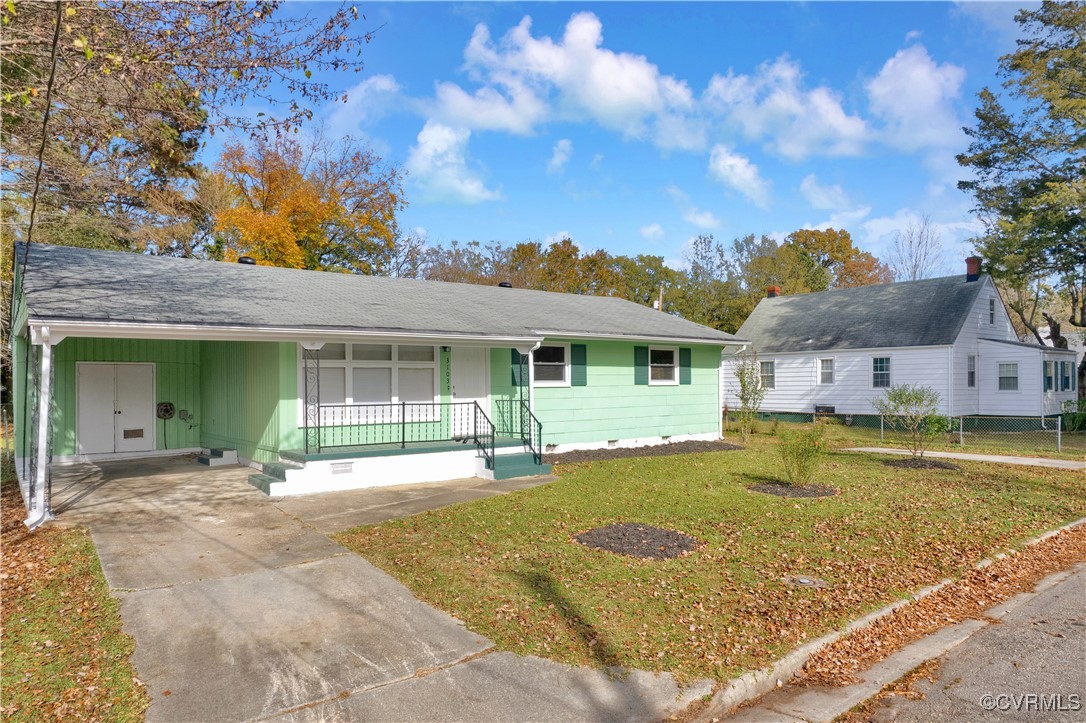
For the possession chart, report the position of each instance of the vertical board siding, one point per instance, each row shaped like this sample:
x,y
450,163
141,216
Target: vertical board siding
x,y
612,406
177,380
241,395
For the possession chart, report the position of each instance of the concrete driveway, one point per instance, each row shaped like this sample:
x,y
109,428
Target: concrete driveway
x,y
241,610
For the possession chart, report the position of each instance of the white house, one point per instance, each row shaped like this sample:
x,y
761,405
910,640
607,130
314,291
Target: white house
x,y
838,350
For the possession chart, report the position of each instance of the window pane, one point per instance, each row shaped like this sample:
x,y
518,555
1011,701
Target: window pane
x,y
332,352
662,374
1008,377
550,355
372,385
827,371
416,385
416,353
333,385
662,357
371,352
550,372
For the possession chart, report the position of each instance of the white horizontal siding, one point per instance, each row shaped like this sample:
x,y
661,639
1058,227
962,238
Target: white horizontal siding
x,y
977,325
797,388
1026,400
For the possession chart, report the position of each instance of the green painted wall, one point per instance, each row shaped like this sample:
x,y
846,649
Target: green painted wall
x,y
177,380
241,395
611,406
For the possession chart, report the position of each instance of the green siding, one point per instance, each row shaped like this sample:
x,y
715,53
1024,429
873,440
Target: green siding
x,y
242,397
177,380
613,406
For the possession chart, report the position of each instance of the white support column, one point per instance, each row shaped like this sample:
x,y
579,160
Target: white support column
x,y
41,512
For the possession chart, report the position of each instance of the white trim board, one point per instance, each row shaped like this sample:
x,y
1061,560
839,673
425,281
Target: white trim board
x,y
631,443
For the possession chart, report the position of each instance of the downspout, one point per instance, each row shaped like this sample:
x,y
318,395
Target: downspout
x,y
40,510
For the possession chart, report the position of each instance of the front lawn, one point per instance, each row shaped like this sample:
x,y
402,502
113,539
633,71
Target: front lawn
x,y
508,568
64,655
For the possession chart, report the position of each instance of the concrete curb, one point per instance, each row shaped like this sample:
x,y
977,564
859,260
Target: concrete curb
x,y
757,683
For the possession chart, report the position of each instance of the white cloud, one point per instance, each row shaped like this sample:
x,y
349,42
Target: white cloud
x,y
514,109
652,232
438,164
701,219
597,162
582,79
823,197
914,97
563,150
366,102
774,104
737,172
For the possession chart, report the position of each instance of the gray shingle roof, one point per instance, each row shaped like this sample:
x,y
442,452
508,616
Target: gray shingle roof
x,y
929,312
76,284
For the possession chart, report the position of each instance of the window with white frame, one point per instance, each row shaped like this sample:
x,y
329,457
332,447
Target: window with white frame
x,y
357,374
663,365
768,371
1050,376
1008,377
991,311
880,372
550,365
971,370
825,371
1066,369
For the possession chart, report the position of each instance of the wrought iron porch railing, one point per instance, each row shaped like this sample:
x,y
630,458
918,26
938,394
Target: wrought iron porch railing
x,y
514,418
336,426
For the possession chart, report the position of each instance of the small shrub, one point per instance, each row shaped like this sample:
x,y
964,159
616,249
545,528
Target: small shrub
x,y
801,452
750,391
1074,415
915,411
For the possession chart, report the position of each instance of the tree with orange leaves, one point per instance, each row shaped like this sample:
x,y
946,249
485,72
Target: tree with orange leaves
x,y
317,204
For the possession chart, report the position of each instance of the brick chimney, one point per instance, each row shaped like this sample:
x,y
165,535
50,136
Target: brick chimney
x,y
773,292
972,268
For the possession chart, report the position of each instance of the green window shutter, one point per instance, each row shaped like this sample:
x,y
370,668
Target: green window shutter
x,y
641,365
578,365
684,366
518,380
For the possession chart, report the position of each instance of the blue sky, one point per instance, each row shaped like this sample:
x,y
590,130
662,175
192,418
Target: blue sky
x,y
633,127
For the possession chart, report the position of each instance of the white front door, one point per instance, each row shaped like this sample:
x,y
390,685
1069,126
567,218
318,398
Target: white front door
x,y
116,408
468,380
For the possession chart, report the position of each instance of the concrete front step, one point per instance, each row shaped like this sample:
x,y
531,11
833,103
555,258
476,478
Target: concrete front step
x,y
507,466
218,457
281,469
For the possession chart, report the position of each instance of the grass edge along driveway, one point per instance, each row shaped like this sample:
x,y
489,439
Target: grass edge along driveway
x,y
507,566
64,655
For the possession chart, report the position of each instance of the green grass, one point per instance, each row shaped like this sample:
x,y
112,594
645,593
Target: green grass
x,y
1023,444
508,568
64,654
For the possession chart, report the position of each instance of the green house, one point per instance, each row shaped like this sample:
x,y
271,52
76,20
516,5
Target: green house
x,y
327,381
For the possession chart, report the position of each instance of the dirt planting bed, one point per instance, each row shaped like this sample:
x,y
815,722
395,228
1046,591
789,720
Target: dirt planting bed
x,y
636,540
659,450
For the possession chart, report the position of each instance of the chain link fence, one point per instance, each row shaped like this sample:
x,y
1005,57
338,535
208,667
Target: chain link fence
x,y
1061,433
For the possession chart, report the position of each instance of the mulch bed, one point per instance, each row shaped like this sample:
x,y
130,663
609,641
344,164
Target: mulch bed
x,y
659,450
920,463
780,489
643,541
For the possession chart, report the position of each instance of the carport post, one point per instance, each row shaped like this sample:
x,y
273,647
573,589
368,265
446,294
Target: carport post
x,y
40,509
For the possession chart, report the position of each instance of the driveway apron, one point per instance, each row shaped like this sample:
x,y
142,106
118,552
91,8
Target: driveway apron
x,y
241,611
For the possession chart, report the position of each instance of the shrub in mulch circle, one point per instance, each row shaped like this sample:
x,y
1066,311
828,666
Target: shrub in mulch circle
x,y
780,489
643,541
920,463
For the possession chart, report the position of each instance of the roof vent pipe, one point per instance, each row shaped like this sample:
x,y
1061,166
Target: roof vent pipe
x,y
972,268
772,292
247,260
505,284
